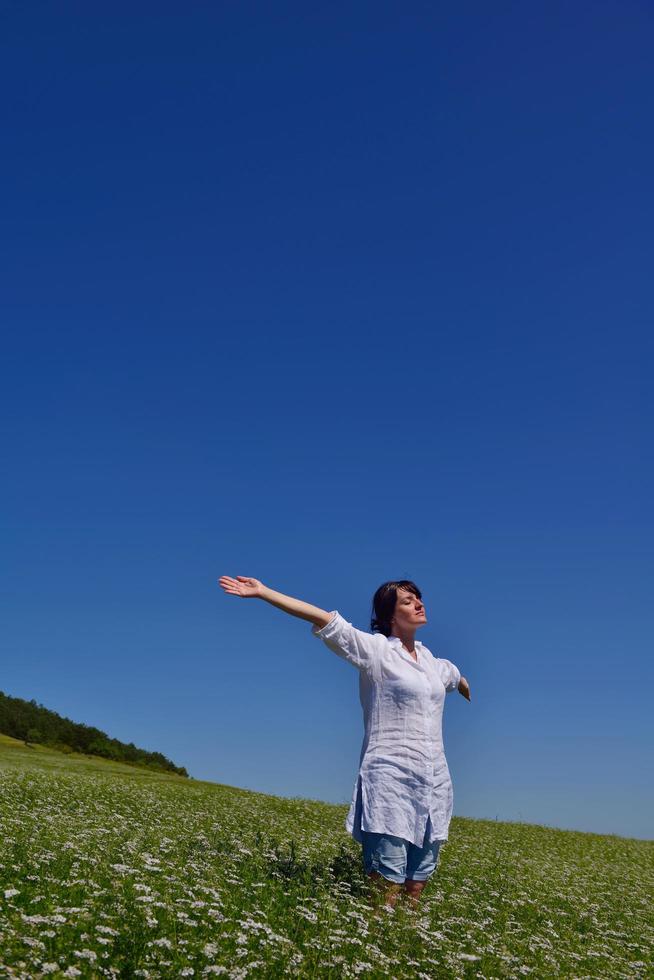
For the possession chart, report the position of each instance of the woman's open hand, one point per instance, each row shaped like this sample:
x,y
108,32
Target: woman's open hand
x,y
246,587
464,688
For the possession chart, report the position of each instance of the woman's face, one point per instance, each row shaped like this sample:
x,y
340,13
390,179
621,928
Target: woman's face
x,y
409,611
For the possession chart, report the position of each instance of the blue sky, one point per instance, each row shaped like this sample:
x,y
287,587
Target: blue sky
x,y
329,297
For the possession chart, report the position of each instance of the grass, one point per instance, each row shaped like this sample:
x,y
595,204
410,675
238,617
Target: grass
x,y
110,871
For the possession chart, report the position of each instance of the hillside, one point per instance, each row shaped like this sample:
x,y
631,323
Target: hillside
x,y
110,870
38,725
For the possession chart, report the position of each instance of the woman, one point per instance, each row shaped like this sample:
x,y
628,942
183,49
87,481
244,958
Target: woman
x,y
402,801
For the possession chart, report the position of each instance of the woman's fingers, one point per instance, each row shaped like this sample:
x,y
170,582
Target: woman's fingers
x,y
242,585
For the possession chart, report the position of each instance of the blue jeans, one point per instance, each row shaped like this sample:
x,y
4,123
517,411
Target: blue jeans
x,y
398,859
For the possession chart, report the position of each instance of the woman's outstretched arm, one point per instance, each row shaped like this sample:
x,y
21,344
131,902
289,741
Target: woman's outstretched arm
x,y
252,588
464,688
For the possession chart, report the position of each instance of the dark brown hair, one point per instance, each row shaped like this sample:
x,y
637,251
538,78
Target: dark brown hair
x,y
383,604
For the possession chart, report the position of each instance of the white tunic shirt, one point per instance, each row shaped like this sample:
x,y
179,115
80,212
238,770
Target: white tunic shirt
x,y
403,780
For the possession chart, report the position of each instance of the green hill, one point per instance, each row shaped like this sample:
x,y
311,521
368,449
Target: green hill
x,y
38,725
110,870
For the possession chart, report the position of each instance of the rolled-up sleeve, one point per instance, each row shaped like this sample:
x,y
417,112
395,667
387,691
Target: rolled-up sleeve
x,y
450,675
357,647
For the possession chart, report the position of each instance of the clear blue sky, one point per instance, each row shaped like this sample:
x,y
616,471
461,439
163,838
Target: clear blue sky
x,y
329,296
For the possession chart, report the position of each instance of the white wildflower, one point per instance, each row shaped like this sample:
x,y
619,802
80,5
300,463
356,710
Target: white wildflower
x,y
85,954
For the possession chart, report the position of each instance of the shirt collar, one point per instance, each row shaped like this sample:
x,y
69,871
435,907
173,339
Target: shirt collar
x,y
396,639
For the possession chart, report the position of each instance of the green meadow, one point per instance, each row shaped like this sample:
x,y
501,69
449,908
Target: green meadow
x,y
107,870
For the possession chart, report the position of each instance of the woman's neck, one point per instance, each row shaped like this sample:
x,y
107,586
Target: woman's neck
x,y
408,640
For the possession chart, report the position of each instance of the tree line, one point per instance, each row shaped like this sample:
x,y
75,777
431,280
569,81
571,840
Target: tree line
x,y
35,724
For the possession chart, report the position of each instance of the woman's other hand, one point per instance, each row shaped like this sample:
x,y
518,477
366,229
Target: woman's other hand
x,y
464,688
247,588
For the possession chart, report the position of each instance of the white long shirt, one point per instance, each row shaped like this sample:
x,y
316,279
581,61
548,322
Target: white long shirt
x,y
403,776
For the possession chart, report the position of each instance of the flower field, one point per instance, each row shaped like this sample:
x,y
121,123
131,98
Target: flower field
x,y
110,871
